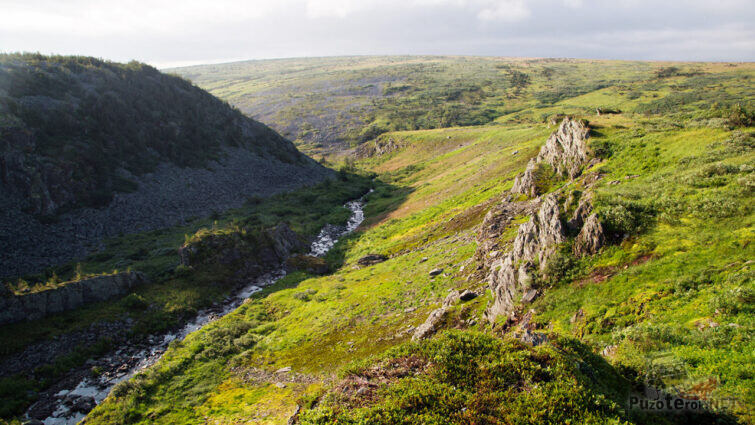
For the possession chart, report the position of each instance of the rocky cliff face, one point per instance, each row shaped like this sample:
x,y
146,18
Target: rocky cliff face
x,y
72,295
513,276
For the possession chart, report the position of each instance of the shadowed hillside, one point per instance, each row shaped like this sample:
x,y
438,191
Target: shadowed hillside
x,y
90,149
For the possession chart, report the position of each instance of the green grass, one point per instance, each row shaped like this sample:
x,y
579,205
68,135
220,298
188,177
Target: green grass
x,y
683,263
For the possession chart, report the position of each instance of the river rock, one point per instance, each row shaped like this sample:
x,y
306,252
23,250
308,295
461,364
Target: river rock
x,y
83,404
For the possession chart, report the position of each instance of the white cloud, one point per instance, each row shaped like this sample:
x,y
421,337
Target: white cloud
x,y
574,3
196,31
505,10
330,8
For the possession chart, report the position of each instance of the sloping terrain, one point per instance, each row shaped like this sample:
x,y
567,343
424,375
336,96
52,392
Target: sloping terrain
x,y
413,323
92,149
326,104
670,289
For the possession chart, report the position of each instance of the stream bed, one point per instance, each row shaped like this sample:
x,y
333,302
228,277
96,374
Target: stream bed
x,y
76,396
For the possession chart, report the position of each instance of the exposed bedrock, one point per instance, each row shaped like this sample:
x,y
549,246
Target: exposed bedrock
x,y
513,276
18,308
565,151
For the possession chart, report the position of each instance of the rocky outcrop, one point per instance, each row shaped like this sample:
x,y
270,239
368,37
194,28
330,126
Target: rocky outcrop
x,y
381,146
495,222
431,324
69,296
371,260
583,210
513,275
565,151
249,253
591,238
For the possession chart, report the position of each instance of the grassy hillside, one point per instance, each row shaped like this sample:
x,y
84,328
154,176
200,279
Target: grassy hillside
x,y
675,287
325,104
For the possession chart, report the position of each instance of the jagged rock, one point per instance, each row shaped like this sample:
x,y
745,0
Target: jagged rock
x,y
535,240
284,369
583,210
435,272
591,238
526,183
68,296
565,151
371,259
468,295
494,223
430,325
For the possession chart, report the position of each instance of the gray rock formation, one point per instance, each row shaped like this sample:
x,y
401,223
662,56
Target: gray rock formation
x,y
512,275
380,146
18,308
565,151
591,238
583,210
430,326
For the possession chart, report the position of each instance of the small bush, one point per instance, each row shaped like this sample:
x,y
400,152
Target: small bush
x,y
135,302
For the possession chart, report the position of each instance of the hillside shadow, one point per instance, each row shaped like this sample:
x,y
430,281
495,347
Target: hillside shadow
x,y
630,385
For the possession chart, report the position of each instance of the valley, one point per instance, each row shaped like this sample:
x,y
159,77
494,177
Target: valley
x,y
542,240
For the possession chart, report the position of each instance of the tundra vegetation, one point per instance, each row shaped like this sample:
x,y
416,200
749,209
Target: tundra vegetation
x,y
674,281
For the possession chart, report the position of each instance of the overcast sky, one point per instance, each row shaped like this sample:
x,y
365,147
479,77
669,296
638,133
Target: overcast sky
x,y
182,32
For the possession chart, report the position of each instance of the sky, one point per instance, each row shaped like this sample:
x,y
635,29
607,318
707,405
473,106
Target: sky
x,y
167,33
